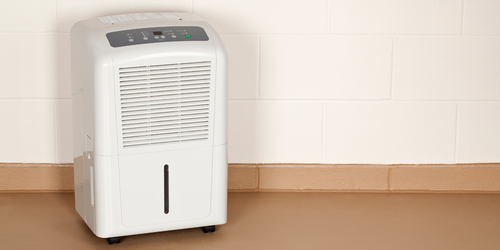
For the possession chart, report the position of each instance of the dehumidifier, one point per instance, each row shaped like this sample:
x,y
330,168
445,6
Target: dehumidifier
x,y
149,100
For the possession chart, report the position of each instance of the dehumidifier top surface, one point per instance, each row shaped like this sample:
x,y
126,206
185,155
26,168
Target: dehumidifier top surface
x,y
137,16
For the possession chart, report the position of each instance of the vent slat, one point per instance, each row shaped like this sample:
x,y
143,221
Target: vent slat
x,y
165,115
164,106
167,134
164,66
165,103
171,140
178,137
159,85
171,68
164,127
156,73
161,112
174,91
138,126
172,101
165,78
164,118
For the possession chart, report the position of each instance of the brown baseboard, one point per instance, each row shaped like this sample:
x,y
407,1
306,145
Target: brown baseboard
x,y
36,177
460,178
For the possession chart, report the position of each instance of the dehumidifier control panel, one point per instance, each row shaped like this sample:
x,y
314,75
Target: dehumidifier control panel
x,y
156,35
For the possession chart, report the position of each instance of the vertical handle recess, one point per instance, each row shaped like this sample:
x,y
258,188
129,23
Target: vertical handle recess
x,y
165,187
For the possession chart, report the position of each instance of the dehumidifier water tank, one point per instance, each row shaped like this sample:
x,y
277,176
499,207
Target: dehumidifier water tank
x,y
149,100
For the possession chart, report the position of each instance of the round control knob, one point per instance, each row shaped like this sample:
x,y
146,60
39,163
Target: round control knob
x,y
130,40
174,36
157,37
145,38
162,36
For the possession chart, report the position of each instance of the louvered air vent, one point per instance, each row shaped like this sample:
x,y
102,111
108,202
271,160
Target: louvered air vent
x,y
166,103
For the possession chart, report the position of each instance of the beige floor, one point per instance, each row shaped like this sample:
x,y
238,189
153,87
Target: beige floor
x,y
277,221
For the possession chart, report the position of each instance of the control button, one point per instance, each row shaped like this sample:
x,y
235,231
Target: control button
x,y
174,36
145,38
188,36
130,40
157,37
162,36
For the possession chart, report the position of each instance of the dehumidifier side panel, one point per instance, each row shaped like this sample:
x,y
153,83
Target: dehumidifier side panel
x,y
88,158
219,185
98,121
78,155
142,186
220,93
105,140
77,122
106,195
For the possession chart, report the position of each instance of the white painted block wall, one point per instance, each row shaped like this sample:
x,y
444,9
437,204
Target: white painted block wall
x,y
318,81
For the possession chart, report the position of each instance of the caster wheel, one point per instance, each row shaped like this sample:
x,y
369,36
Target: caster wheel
x,y
114,240
208,229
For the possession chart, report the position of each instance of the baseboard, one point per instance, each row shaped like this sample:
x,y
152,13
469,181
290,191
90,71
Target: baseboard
x,y
460,178
36,177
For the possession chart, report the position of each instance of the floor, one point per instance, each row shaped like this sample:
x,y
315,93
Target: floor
x,y
276,221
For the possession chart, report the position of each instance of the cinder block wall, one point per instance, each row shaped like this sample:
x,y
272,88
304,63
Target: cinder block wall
x,y
318,81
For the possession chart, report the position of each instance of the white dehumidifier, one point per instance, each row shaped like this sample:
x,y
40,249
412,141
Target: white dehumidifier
x,y
149,95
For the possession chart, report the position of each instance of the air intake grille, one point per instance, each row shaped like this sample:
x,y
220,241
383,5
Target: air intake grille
x,y
166,103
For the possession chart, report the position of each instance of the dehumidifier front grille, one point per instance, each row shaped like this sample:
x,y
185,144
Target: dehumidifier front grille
x,y
167,103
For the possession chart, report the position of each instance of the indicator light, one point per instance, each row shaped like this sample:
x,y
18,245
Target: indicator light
x,y
188,36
